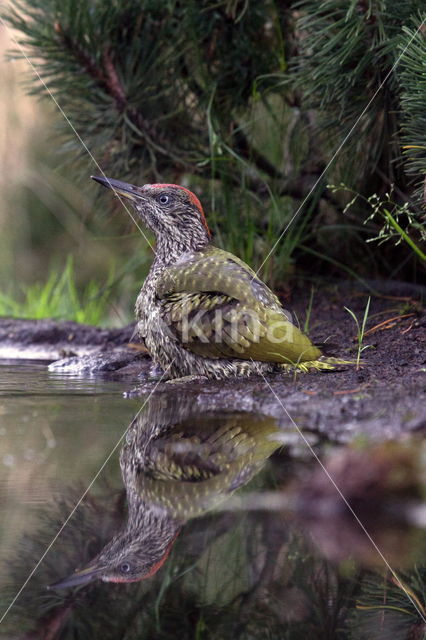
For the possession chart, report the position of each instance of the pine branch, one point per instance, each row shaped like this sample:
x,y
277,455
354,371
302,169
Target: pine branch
x,y
107,79
146,62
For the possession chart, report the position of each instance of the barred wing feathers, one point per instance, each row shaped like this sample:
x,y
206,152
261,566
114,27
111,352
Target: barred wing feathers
x,y
216,307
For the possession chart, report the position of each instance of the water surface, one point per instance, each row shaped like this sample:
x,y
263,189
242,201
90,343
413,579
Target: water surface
x,y
202,533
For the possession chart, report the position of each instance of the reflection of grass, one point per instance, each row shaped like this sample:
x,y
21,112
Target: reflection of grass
x,y
389,603
58,297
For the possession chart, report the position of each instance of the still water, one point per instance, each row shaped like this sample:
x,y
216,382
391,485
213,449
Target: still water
x,y
146,520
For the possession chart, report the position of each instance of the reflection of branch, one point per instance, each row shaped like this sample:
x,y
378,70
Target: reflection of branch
x,y
202,533
274,537
49,626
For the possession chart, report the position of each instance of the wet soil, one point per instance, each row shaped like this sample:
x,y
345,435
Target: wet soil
x,y
382,399
50,339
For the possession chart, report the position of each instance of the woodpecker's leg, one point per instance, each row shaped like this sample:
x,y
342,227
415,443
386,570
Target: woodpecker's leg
x,y
322,364
186,379
156,371
154,374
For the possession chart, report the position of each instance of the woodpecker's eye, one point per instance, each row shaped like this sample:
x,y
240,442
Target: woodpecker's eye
x,y
164,199
125,567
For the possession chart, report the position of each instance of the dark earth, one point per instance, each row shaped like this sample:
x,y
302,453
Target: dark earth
x,y
382,399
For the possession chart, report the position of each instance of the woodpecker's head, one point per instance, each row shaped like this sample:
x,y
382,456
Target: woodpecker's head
x,y
172,212
129,557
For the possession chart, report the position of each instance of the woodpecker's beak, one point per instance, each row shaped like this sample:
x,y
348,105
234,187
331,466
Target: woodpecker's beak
x,y
120,188
84,576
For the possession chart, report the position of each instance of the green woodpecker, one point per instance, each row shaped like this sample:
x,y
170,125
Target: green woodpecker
x,y
202,311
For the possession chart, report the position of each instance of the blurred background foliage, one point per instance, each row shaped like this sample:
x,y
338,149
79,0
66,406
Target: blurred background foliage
x,y
246,103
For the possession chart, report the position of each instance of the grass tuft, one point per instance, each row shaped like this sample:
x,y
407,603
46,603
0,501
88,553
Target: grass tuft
x,y
361,330
59,298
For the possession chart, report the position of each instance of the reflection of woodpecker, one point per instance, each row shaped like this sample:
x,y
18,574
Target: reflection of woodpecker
x,y
201,310
174,468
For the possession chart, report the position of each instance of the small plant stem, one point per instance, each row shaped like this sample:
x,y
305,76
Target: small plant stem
x,y
308,312
360,330
404,235
362,333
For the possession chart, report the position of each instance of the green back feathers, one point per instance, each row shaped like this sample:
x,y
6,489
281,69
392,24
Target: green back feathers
x,y
217,308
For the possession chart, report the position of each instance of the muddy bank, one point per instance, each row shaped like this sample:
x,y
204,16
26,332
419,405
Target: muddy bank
x,y
384,398
53,340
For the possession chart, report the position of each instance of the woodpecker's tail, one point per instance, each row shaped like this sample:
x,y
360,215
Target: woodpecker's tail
x,y
323,363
